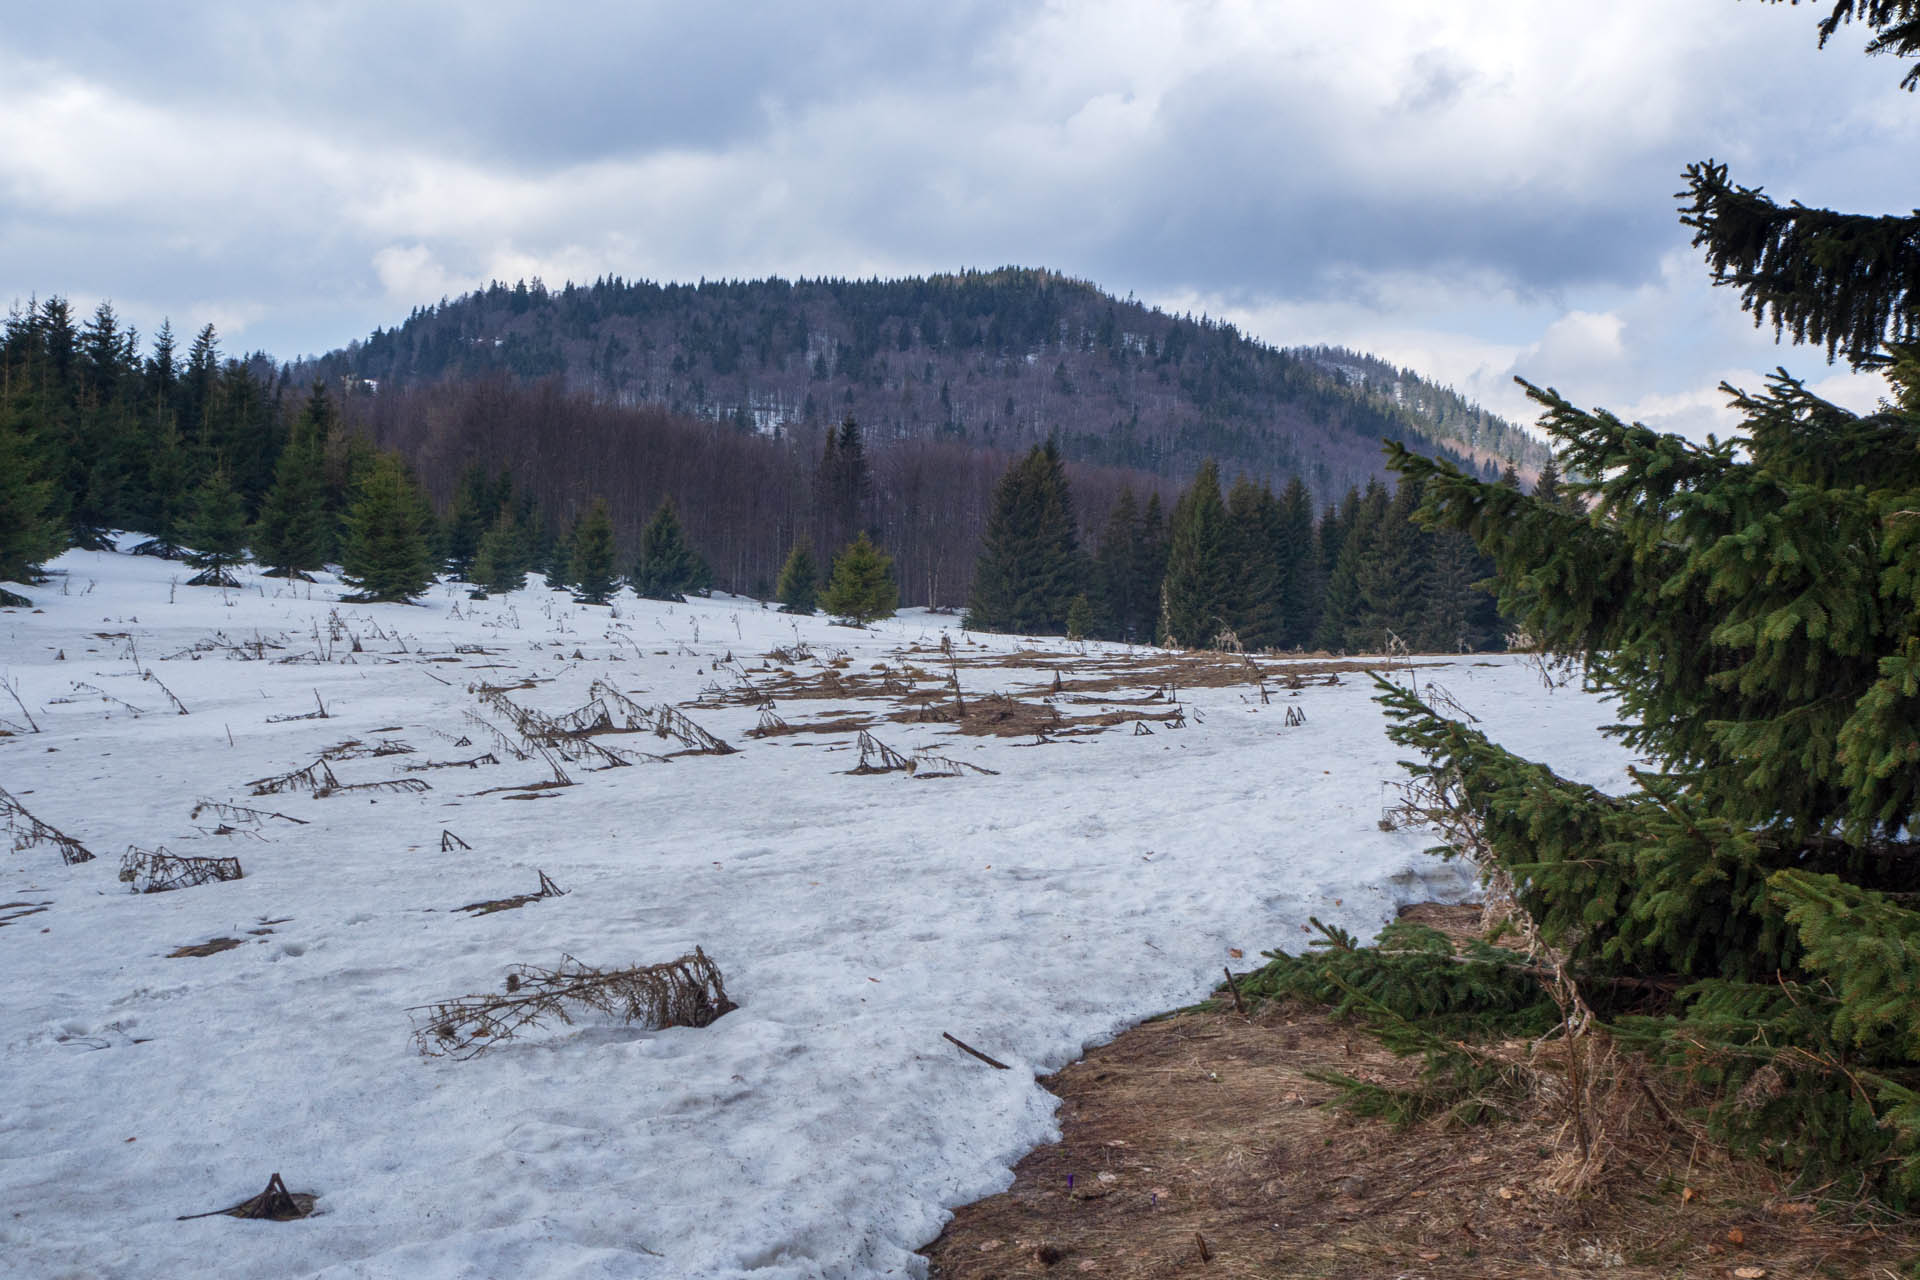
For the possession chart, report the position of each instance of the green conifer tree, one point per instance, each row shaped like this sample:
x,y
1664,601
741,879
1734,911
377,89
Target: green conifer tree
x,y
500,559
1752,605
1393,578
216,531
590,567
1344,620
1029,568
1296,551
1149,570
294,532
1253,518
1079,617
799,587
861,589
668,567
1118,610
1197,592
29,533
388,552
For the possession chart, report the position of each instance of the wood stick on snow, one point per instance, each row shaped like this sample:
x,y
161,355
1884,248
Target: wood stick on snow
x,y
962,1044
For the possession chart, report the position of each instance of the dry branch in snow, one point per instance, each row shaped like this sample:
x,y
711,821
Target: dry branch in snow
x,y
877,757
28,831
158,870
548,889
687,992
316,777
241,813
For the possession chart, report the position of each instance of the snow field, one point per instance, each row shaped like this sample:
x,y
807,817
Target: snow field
x,y
822,1129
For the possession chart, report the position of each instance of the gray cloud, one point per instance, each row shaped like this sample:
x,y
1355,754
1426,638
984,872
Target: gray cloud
x,y
1460,183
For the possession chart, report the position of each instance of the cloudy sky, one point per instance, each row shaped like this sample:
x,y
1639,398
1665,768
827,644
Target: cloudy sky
x,y
1471,189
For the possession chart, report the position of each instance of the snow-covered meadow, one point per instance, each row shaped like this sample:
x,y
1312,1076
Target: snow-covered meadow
x,y
823,1128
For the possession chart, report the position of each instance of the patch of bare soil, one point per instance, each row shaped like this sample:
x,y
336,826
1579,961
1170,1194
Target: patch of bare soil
x,y
1198,1145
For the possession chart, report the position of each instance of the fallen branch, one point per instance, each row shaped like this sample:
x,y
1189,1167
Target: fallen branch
x,y
548,889
179,706
15,695
28,830
276,1203
318,713
997,1066
159,871
316,777
241,813
872,749
687,992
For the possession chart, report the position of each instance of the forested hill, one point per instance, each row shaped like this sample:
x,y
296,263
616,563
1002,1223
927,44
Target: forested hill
x,y
998,359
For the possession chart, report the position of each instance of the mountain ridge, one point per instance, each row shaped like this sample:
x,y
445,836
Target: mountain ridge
x,y
998,359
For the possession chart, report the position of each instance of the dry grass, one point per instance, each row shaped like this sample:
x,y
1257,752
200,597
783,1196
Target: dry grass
x,y
210,948
1208,1127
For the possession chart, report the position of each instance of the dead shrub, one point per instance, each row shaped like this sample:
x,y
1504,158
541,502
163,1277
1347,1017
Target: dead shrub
x,y
28,831
687,992
160,871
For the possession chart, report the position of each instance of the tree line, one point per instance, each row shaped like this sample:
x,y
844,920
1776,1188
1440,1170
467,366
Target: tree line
x,y
1246,570
490,480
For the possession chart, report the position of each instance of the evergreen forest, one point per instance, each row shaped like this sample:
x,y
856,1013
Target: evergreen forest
x,y
208,458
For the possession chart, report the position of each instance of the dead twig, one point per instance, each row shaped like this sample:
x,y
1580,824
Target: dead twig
x,y
963,1045
28,831
14,693
159,870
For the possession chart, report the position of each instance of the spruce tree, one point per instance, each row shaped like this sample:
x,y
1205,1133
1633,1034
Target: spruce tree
x,y
1197,591
469,516
169,493
294,532
799,587
1345,621
388,553
1149,570
1079,618
500,558
216,531
590,567
1296,551
861,589
1253,518
29,534
1753,607
1392,578
843,488
668,567
1029,568
1119,608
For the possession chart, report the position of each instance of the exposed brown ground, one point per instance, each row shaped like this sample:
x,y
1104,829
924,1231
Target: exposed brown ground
x,y
925,685
1206,1127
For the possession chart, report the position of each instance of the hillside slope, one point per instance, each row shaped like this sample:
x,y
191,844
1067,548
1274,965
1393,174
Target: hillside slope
x,y
998,359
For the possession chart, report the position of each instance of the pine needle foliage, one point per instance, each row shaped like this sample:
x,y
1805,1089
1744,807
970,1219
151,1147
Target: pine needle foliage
x,y
1410,973
1418,996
